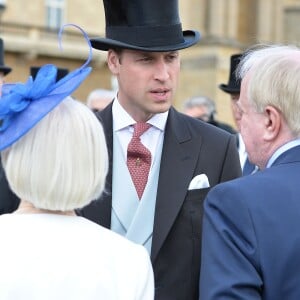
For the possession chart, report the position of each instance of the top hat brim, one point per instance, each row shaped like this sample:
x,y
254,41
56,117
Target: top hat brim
x,y
190,37
5,69
229,89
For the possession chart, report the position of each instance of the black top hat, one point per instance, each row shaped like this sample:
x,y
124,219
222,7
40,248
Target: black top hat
x,y
61,72
234,84
3,68
146,25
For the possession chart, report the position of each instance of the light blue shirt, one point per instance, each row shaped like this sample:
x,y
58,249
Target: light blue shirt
x,y
281,150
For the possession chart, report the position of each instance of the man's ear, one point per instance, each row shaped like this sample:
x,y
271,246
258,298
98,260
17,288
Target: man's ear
x,y
272,122
113,61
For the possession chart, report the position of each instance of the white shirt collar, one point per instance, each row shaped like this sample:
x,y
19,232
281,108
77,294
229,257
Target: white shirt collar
x,y
121,119
281,150
242,147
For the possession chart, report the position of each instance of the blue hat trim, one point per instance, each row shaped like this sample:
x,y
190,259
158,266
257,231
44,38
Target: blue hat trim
x,y
23,105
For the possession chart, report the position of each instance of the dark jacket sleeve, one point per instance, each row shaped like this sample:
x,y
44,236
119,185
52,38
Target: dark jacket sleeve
x,y
9,202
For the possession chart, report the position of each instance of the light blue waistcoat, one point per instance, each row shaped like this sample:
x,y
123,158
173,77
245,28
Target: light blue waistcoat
x,y
131,217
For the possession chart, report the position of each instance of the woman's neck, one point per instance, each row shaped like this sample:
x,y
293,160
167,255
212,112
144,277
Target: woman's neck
x,y
26,207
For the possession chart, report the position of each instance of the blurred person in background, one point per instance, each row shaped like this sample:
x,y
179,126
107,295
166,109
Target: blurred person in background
x,y
98,99
204,108
233,88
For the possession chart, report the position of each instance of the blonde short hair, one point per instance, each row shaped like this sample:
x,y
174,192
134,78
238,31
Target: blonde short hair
x,y
62,162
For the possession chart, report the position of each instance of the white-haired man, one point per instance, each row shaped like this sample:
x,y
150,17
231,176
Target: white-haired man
x,y
251,241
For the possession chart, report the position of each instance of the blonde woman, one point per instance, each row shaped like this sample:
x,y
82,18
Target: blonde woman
x,y
55,158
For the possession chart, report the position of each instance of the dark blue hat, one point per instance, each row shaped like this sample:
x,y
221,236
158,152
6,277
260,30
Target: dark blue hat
x,y
147,25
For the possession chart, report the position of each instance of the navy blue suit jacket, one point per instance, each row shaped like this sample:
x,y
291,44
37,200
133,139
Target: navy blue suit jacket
x,y
191,147
251,235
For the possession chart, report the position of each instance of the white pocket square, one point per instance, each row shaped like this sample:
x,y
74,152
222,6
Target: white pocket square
x,y
199,182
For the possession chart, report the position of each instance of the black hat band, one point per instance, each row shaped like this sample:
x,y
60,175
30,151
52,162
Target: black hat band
x,y
146,36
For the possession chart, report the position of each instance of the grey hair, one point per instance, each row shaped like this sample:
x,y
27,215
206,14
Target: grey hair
x,y
273,74
200,101
99,94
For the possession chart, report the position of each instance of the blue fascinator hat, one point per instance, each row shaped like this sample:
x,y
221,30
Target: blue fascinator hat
x,y
23,105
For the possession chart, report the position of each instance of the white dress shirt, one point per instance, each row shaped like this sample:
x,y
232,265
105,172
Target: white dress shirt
x,y
242,151
123,127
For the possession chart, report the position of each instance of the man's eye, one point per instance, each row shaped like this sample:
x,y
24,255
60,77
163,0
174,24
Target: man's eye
x,y
145,59
171,58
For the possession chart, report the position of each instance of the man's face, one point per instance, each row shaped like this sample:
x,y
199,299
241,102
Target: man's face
x,y
251,126
235,110
147,80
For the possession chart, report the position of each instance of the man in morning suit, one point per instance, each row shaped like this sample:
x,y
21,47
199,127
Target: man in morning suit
x,y
251,241
142,43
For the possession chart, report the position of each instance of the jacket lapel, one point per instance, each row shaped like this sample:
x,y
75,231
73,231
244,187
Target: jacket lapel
x,y
179,157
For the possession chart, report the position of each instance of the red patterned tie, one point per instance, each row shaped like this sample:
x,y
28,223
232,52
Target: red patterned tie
x,y
138,159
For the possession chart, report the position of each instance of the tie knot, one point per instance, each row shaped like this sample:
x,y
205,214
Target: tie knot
x,y
140,128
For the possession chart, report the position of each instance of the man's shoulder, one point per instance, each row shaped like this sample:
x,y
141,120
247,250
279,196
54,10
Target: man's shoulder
x,y
225,127
194,123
